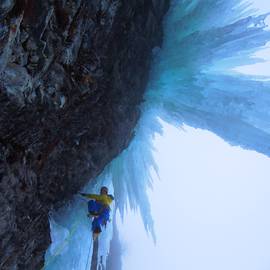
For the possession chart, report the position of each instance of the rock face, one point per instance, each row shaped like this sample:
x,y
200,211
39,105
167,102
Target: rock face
x,y
72,74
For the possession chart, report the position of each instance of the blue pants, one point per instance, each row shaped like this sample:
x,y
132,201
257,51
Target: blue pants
x,y
101,215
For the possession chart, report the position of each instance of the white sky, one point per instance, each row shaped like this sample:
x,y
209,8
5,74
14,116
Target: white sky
x,y
260,69
262,6
211,207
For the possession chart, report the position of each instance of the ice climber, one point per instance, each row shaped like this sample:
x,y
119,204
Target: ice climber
x,y
99,209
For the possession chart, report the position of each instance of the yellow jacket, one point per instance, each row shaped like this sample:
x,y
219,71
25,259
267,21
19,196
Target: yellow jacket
x,y
104,199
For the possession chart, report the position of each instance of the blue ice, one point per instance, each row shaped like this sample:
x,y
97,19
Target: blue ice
x,y
195,81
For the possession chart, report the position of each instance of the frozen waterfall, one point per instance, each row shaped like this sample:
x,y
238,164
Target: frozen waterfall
x,y
201,77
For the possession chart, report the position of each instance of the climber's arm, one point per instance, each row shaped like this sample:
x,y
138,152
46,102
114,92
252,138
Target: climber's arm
x,y
90,196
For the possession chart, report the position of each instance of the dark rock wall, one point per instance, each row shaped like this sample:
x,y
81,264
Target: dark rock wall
x,y
72,74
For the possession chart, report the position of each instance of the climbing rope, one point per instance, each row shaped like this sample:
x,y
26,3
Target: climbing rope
x,y
88,256
63,245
